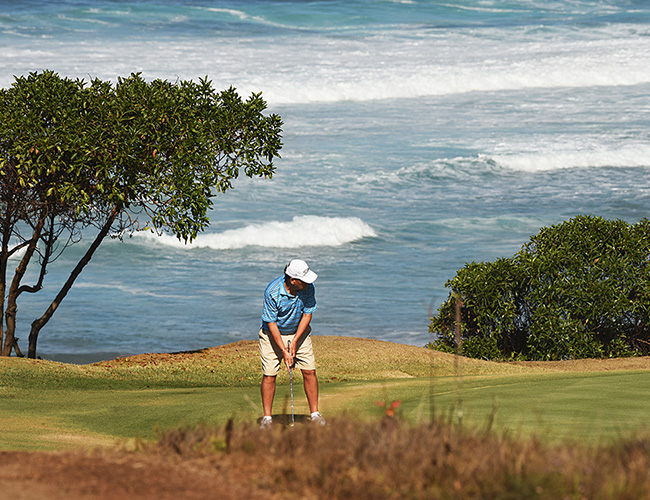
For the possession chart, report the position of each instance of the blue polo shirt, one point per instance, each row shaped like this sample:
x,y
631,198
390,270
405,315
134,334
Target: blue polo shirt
x,y
285,309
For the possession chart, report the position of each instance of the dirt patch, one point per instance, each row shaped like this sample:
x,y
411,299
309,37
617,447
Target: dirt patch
x,y
118,476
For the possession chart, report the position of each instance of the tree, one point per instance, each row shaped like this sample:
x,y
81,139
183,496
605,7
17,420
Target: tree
x,y
78,157
580,289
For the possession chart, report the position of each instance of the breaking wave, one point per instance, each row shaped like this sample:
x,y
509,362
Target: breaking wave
x,y
301,231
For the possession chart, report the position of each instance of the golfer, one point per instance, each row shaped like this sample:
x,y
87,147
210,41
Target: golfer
x,y
289,302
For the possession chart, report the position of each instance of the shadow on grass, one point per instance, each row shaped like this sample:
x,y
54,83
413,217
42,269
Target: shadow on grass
x,y
284,419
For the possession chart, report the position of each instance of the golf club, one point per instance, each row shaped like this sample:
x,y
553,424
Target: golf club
x,y
291,387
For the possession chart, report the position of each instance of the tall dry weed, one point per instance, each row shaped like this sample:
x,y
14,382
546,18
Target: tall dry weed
x,y
392,460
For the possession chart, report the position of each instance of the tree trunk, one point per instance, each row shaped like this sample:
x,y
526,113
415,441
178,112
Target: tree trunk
x,y
17,349
4,256
7,225
39,323
14,292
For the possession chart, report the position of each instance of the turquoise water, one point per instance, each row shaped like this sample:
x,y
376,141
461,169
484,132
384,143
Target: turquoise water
x,y
418,136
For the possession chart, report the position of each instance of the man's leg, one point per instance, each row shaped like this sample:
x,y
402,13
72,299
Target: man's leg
x,y
268,393
311,389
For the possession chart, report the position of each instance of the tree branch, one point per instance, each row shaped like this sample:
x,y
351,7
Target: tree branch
x,y
51,239
39,323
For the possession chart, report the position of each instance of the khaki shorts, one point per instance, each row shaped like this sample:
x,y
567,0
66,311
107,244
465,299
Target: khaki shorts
x,y
272,358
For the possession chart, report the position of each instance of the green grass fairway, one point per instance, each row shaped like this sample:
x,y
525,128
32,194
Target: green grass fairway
x,y
46,405
53,419
587,407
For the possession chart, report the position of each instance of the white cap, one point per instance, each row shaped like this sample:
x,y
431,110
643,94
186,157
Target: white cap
x,y
300,270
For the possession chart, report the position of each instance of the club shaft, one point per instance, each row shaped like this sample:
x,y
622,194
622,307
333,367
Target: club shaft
x,y
291,389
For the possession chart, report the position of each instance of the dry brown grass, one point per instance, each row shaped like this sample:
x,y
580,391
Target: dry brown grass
x,y
589,365
338,359
369,359
360,359
389,460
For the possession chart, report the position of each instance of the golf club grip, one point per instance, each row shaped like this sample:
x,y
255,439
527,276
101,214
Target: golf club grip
x,y
289,349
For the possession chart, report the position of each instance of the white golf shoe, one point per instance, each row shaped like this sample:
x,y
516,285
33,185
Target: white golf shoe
x,y
266,423
317,418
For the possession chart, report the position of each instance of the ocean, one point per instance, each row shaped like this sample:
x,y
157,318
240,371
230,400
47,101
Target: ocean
x,y
418,136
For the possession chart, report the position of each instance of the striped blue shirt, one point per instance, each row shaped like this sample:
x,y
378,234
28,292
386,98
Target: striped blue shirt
x,y
285,309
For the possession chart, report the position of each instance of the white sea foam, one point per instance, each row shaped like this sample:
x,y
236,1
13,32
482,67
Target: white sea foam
x,y
128,289
239,14
18,254
395,64
549,158
492,224
458,168
477,8
301,231
430,65
633,155
243,16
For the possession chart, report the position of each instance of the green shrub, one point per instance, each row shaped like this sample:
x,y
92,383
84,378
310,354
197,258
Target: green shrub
x,y
579,289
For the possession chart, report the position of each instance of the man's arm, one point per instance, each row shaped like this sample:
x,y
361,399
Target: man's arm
x,y
277,337
300,331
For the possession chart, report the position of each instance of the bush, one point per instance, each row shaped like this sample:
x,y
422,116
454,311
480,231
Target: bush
x,y
579,289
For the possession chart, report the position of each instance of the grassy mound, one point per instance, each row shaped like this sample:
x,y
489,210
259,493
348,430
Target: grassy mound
x,y
339,359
